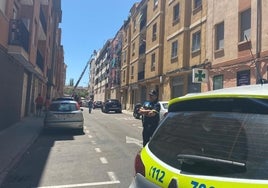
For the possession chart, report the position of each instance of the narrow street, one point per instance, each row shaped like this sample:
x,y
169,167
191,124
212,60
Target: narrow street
x,y
102,157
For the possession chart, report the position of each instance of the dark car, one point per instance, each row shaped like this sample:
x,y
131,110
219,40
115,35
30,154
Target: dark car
x,y
97,104
112,105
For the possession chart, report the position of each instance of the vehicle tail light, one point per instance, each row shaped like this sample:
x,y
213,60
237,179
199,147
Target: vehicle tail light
x,y
139,166
77,106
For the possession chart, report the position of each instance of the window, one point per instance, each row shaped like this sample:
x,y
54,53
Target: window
x,y
218,82
132,72
154,32
155,3
197,3
134,25
124,76
245,25
196,41
176,13
174,49
133,49
243,78
125,56
219,34
153,62
3,6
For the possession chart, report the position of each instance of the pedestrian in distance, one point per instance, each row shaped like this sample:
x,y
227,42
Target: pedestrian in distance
x,y
39,101
151,117
90,105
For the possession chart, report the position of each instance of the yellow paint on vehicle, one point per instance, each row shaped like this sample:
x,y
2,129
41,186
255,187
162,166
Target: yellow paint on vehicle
x,y
192,181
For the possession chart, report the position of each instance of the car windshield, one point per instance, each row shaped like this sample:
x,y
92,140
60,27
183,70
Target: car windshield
x,y
235,143
63,107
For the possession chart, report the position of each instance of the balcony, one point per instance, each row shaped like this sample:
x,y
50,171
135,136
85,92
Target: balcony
x,y
26,2
18,42
18,34
44,2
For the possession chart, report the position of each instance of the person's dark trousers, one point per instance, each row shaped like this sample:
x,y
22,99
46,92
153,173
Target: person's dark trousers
x,y
148,131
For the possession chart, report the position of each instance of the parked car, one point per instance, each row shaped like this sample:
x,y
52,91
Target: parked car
x,y
112,105
212,139
64,98
97,104
65,114
146,104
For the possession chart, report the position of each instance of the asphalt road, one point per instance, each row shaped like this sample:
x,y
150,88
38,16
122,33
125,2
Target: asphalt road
x,y
102,157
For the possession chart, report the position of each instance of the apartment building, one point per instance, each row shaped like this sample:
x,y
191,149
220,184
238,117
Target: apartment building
x,y
102,67
125,68
237,42
190,46
115,66
31,56
184,46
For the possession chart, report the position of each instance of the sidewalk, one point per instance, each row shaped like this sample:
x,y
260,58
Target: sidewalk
x,y
15,140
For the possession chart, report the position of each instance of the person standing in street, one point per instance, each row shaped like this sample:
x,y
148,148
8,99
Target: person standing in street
x,y
151,117
39,101
90,105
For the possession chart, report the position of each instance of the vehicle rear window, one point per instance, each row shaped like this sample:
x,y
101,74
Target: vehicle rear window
x,y
63,107
226,144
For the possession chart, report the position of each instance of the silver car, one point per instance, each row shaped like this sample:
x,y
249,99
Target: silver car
x,y
64,114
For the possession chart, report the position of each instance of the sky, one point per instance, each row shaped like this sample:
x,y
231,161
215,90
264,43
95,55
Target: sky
x,y
86,26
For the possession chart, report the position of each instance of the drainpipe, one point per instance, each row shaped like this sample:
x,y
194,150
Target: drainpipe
x,y
258,43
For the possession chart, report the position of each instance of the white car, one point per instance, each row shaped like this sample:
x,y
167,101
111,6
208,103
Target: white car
x,y
64,114
163,109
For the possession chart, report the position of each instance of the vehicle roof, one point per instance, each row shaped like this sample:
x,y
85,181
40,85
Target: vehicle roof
x,y
242,92
63,98
255,91
63,101
163,101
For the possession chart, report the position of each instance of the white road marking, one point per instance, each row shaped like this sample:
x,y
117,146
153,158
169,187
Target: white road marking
x,y
112,176
89,136
93,142
98,150
130,140
103,160
87,131
83,184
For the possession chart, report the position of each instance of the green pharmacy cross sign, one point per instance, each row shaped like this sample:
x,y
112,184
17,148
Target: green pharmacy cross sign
x,y
200,75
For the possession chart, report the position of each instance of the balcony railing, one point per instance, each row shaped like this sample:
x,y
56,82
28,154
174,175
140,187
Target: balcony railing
x,y
18,34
